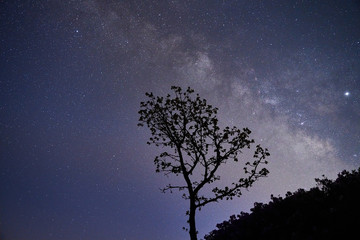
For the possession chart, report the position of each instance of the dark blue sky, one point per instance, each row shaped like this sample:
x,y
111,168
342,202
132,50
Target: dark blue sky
x,y
73,163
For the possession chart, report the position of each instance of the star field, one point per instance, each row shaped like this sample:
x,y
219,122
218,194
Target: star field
x,y
74,164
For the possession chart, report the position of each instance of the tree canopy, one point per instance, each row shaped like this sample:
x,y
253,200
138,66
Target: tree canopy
x,y
188,128
329,211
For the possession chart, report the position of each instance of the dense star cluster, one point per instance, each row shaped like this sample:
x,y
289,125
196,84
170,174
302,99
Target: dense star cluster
x,y
74,164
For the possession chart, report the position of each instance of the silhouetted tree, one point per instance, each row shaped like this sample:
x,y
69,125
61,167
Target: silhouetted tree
x,y
329,211
188,127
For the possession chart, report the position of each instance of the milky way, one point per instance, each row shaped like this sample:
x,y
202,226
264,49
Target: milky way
x,y
74,164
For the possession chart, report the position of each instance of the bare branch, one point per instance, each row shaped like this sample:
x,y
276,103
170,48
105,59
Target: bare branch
x,y
170,187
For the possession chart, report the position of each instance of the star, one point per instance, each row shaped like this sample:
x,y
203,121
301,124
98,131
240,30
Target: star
x,y
72,96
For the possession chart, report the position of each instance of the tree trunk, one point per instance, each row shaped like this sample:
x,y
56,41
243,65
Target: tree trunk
x,y
192,231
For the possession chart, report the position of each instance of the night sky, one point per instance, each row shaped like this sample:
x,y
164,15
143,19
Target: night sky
x,y
73,163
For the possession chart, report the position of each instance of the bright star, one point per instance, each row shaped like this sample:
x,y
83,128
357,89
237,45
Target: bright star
x,y
347,94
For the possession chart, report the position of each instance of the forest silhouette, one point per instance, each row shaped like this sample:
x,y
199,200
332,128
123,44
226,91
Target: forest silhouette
x,y
331,210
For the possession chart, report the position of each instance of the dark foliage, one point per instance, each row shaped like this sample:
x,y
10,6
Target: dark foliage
x,y
186,127
329,211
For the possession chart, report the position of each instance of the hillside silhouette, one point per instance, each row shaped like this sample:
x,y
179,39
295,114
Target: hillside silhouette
x,y
331,210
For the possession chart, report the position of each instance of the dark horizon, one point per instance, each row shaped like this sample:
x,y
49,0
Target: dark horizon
x,y
74,164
